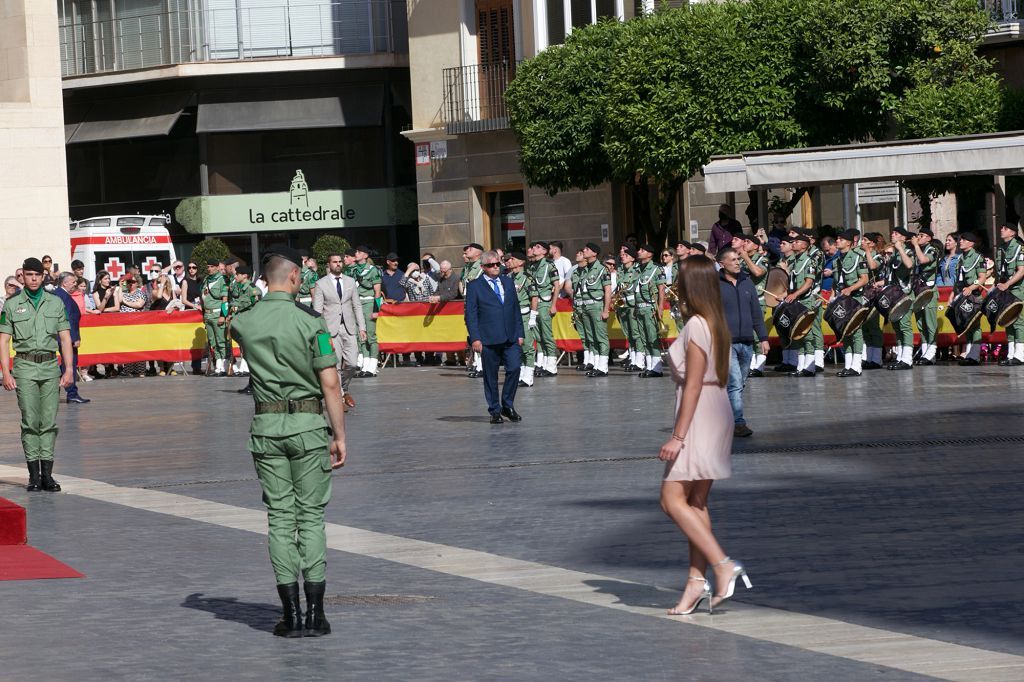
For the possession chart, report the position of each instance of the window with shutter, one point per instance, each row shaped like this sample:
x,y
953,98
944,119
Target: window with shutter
x,y
497,51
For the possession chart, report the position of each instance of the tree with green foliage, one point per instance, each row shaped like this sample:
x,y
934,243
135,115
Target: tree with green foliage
x,y
324,246
209,248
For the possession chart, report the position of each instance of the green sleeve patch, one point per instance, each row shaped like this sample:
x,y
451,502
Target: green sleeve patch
x,y
323,344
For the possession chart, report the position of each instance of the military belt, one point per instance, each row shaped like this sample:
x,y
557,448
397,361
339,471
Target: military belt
x,y
366,298
37,357
310,406
592,303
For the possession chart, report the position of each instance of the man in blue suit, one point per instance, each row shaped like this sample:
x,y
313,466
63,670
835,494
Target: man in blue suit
x,y
68,281
495,328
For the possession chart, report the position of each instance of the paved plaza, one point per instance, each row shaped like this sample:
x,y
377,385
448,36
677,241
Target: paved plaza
x,y
879,519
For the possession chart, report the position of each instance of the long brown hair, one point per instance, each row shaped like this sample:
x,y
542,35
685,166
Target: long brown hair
x,y
699,294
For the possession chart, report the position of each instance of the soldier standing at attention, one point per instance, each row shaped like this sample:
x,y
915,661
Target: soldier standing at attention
x,y
367,277
850,278
215,310
627,290
309,278
527,298
244,296
755,264
803,287
544,279
572,282
594,293
294,382
899,270
1010,273
874,336
926,252
38,323
650,298
970,276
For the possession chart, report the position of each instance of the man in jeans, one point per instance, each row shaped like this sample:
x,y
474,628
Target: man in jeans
x,y
743,314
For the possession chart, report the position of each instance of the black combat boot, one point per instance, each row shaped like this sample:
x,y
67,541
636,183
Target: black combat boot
x,y
46,481
290,624
316,621
33,476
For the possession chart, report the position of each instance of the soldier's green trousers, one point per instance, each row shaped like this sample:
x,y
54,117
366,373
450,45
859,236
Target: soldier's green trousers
x,y
647,333
544,333
854,343
529,352
814,339
626,322
368,348
38,393
904,331
873,331
215,336
295,473
819,342
928,321
596,328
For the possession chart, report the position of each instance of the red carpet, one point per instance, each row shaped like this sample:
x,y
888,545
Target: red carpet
x,y
21,562
12,523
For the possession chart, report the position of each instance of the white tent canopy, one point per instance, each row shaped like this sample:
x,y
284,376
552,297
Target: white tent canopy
x,y
999,154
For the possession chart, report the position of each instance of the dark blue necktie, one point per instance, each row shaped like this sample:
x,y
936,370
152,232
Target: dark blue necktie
x,y
337,282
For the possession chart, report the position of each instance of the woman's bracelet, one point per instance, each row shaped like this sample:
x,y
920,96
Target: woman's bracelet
x,y
681,439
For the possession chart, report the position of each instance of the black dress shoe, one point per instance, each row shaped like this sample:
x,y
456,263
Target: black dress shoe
x,y
290,624
496,419
968,362
583,368
523,384
541,372
802,373
899,366
596,373
33,476
924,362
78,400
755,374
870,365
651,374
1004,363
472,374
847,373
784,367
819,368
512,415
316,620
1016,363
643,374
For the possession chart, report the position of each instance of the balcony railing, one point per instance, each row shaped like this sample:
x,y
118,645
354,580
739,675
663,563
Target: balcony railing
x,y
474,97
343,27
1002,11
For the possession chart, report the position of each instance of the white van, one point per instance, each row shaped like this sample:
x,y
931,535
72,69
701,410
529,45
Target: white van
x,y
113,243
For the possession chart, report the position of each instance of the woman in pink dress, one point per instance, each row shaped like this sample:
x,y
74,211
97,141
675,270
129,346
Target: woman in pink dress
x,y
698,453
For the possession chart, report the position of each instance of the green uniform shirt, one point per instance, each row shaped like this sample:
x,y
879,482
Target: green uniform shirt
x,y
34,330
544,276
365,275
589,287
286,346
819,263
805,267
307,281
968,270
1009,258
648,277
627,282
896,271
928,271
215,290
761,261
524,290
470,271
245,296
851,266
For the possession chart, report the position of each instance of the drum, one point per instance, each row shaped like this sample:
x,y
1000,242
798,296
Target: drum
x,y
792,321
891,302
845,315
776,287
923,294
964,313
1001,308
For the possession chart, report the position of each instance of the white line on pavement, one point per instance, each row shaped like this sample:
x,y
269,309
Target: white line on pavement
x,y
810,633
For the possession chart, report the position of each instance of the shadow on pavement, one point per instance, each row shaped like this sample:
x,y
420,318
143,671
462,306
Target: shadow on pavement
x,y
260,617
635,594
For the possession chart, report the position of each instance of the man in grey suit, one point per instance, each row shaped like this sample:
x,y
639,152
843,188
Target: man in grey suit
x,y
336,299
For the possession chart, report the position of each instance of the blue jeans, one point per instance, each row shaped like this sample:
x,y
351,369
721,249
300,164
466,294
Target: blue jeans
x,y
739,365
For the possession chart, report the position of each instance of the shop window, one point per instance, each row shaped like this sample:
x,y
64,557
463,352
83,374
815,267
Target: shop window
x,y
506,219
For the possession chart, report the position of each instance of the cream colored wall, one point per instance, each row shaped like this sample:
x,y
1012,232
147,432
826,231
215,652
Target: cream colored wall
x,y
33,172
433,45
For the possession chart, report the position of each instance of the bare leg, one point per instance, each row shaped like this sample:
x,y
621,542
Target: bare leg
x,y
685,502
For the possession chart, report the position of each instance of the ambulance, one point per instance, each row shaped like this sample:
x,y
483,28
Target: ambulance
x,y
114,243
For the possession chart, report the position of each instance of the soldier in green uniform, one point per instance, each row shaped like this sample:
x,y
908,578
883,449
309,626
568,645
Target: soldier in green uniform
x,y
626,294
819,338
899,270
309,277
527,298
927,253
295,382
650,299
804,286
790,354
572,282
243,295
1010,273
874,339
471,270
215,310
593,292
970,276
755,264
544,279
851,277
38,324
367,277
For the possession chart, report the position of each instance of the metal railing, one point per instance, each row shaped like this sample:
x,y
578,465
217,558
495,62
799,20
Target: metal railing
x,y
343,27
1002,11
474,97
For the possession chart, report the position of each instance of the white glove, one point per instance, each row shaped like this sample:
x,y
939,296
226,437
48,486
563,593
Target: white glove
x,y
533,319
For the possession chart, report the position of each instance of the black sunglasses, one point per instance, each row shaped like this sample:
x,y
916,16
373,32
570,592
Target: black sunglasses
x,y
491,265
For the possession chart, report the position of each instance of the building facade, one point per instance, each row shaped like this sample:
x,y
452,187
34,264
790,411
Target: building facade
x,y
33,182
255,121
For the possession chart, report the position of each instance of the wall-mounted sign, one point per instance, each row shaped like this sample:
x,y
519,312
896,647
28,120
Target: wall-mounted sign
x,y
887,192
422,153
298,209
694,230
438,150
